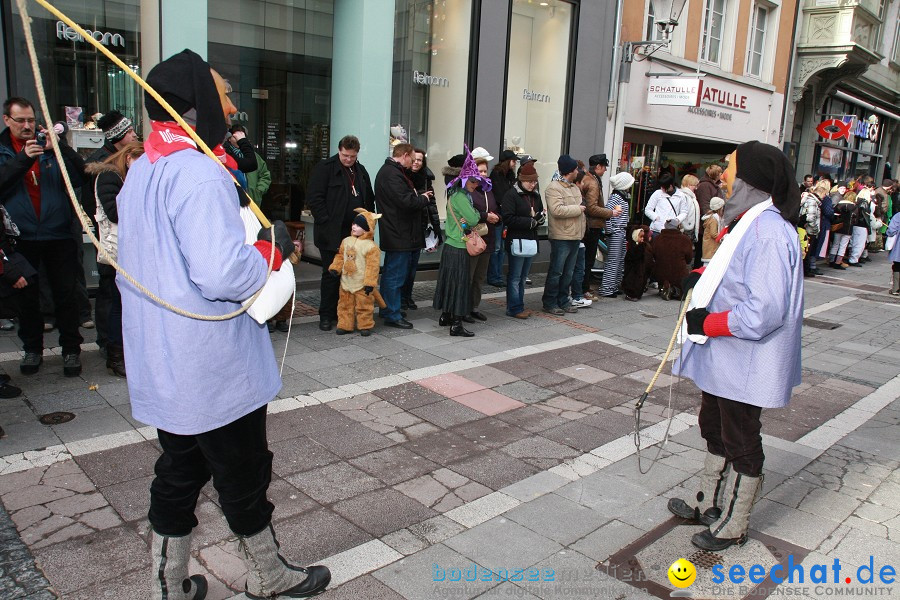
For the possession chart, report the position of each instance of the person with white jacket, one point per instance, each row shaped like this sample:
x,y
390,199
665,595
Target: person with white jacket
x,y
691,223
664,205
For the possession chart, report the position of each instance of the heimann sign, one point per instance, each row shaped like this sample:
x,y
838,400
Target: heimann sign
x,y
675,92
64,32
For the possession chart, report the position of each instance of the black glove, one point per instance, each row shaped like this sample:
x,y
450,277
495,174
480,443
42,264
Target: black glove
x,y
334,273
534,224
368,289
689,282
283,240
540,218
440,238
695,319
11,271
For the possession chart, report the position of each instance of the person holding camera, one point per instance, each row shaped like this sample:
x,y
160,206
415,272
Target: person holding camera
x,y
33,192
523,212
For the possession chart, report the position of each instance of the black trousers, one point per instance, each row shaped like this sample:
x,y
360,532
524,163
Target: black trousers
x,y
106,289
330,288
591,239
237,458
732,429
59,258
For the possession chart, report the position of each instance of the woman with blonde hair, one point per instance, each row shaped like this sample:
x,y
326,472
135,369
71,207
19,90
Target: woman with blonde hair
x,y
707,188
842,229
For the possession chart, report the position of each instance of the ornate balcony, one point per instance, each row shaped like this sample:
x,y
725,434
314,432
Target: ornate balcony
x,y
838,39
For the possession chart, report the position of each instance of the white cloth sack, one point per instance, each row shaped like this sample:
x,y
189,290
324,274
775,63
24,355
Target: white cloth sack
x,y
715,270
107,232
889,243
280,287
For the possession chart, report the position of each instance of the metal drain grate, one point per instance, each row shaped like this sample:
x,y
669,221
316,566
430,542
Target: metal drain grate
x,y
817,324
55,418
704,559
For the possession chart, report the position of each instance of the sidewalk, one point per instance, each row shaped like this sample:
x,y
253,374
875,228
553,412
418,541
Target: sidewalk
x,y
417,465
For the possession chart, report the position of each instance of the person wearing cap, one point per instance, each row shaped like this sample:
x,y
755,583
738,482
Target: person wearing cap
x,y
566,230
118,132
712,223
503,177
480,153
615,233
204,385
741,339
523,212
597,214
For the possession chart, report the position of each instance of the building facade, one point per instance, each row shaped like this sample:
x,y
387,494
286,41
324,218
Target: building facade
x,y
844,116
528,74
728,54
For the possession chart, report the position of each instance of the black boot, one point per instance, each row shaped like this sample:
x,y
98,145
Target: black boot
x,y
445,319
458,329
115,360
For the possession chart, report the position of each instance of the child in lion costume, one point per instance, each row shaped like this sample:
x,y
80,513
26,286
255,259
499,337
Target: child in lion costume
x,y
356,263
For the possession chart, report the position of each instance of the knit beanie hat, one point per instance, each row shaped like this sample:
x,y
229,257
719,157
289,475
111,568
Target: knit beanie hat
x,y
767,169
636,234
361,221
621,181
566,164
715,203
114,126
527,173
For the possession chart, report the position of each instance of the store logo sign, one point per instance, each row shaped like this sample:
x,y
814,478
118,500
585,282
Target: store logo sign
x,y
848,126
723,98
422,78
64,32
535,96
675,92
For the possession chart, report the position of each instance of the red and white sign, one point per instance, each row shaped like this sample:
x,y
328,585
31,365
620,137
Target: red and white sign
x,y
720,96
678,91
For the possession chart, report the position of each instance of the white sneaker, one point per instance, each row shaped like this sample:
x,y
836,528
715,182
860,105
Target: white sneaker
x,y
581,303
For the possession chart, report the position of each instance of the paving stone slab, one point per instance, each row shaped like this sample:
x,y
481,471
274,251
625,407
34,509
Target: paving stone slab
x,y
299,454
447,413
494,468
333,482
502,543
312,536
525,392
409,395
426,574
393,465
382,511
557,518
119,464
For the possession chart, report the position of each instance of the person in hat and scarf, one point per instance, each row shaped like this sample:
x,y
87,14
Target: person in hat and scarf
x,y
615,230
204,385
743,339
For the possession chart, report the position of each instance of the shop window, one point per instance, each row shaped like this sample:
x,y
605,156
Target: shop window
x,y
895,56
537,80
430,82
756,55
277,58
78,80
713,31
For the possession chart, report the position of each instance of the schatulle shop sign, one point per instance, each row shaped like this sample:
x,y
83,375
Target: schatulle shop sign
x,y
677,91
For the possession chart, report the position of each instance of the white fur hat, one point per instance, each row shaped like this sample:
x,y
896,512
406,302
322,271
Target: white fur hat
x,y
715,203
621,181
480,152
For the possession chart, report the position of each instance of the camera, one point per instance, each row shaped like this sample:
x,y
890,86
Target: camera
x,y
41,138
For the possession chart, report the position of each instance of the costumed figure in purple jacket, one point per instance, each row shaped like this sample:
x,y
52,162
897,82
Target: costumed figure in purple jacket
x,y
742,339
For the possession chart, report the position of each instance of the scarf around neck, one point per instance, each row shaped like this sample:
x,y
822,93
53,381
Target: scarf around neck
x,y
167,137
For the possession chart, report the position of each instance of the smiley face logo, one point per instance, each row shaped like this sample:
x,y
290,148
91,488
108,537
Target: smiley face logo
x,y
682,573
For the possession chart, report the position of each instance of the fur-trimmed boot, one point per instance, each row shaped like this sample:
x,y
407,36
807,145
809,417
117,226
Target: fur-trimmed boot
x,y
895,284
170,579
710,487
270,576
732,525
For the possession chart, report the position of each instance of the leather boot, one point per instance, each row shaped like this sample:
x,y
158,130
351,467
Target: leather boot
x,y
170,579
115,360
445,319
710,487
895,284
732,525
270,576
457,328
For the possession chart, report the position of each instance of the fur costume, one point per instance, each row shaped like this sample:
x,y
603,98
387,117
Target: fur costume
x,y
356,262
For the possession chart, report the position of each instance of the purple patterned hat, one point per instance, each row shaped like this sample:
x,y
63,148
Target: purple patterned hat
x,y
468,171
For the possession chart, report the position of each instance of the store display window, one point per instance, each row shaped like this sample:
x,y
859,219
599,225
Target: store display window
x,y
429,95
537,81
79,81
277,58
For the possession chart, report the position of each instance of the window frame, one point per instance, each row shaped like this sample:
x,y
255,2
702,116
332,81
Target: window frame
x,y
709,13
752,39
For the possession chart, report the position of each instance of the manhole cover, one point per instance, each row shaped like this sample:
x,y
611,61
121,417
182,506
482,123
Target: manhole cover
x,y
55,418
705,559
879,298
817,324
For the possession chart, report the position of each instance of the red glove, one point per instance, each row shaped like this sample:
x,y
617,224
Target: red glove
x,y
265,248
702,322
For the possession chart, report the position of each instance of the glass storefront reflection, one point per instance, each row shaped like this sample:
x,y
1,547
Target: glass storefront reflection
x,y
537,81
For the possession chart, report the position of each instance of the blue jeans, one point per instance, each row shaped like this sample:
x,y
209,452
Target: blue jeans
x,y
563,255
393,278
495,267
515,283
578,275
406,292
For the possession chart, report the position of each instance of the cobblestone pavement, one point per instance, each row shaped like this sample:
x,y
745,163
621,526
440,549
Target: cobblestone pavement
x,y
403,459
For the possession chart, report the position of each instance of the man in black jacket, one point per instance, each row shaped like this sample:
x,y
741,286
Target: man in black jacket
x,y
337,186
401,227
503,177
34,194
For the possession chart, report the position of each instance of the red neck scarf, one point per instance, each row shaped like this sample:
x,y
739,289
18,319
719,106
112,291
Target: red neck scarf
x,y
32,177
168,137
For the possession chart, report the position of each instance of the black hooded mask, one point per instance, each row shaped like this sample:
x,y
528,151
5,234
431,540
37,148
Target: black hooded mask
x,y
185,81
767,169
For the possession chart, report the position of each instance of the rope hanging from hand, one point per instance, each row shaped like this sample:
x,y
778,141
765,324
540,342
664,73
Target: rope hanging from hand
x,y
82,217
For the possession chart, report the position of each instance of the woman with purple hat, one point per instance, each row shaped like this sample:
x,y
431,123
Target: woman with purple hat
x,y
453,295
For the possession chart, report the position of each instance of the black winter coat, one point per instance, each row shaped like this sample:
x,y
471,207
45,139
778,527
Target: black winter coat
x,y
501,183
244,155
329,198
424,182
88,201
401,226
109,183
517,206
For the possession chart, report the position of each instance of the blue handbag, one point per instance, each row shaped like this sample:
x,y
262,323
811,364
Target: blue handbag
x,y
523,248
